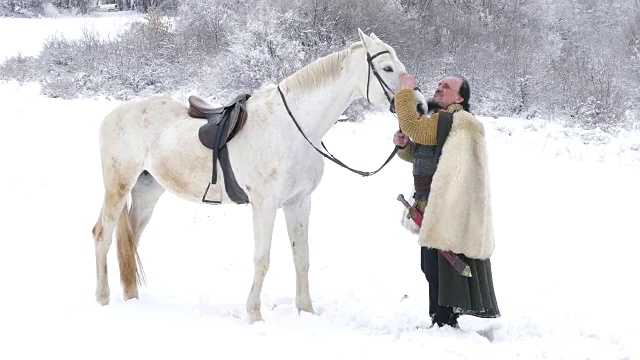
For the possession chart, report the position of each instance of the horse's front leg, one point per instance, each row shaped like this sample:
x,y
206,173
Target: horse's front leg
x,y
264,214
297,218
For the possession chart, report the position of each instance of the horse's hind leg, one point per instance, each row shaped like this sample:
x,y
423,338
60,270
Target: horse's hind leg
x,y
297,219
144,197
264,215
112,207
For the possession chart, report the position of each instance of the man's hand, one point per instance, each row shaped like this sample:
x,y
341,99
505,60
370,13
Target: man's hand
x,y
400,139
408,81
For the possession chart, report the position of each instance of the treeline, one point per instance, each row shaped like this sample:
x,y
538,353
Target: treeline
x,y
576,60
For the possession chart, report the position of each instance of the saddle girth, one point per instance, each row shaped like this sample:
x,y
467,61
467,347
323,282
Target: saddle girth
x,y
223,124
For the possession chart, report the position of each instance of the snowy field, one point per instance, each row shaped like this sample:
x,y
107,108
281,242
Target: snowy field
x,y
34,31
567,232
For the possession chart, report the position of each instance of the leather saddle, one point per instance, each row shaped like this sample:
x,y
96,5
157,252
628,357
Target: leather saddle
x,y
223,124
231,118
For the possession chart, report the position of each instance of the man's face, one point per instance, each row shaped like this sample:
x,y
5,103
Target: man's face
x,y
448,92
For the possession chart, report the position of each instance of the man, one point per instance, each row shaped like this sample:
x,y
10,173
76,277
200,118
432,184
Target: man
x,y
451,182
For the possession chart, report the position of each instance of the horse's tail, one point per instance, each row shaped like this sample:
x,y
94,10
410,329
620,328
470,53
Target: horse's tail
x,y
131,272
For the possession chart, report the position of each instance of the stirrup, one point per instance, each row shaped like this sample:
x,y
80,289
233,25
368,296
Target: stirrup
x,y
213,194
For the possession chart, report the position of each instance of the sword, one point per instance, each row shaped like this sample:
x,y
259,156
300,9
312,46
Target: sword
x,y
460,265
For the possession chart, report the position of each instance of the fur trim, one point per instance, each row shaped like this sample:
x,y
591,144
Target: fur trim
x,y
458,215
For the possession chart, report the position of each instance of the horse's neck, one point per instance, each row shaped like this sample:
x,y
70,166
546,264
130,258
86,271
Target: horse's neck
x,y
317,107
316,111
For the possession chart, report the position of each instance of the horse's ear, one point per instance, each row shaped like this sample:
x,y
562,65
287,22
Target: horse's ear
x,y
362,34
374,37
366,40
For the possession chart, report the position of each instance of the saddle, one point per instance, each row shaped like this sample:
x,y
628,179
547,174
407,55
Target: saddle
x,y
223,124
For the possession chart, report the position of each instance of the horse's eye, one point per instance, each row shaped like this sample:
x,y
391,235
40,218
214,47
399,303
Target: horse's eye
x,y
388,68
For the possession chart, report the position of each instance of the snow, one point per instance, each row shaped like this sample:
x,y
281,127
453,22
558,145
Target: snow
x,y
565,210
34,31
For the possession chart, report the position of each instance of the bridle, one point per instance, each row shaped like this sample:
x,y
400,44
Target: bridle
x,y
392,109
383,84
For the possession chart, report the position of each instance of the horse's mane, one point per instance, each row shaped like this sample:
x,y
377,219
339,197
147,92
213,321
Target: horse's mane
x,y
319,71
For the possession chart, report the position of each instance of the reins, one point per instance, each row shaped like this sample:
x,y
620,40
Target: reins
x,y
328,155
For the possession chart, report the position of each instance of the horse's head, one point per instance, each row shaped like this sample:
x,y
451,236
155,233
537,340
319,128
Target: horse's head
x,y
379,79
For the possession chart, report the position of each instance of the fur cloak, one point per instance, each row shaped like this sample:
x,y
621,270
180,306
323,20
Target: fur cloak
x,y
458,215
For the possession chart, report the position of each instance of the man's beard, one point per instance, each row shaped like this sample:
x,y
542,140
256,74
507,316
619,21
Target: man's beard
x,y
433,106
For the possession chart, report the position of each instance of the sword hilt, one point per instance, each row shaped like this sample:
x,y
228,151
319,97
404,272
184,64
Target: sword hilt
x,y
403,201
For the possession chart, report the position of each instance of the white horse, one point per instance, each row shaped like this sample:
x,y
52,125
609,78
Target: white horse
x,y
151,144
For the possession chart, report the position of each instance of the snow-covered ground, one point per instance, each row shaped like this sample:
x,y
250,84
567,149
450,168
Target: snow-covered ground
x,y
565,212
25,36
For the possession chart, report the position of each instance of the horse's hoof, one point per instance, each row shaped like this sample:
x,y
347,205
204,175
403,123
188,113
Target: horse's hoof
x,y
102,300
306,308
130,294
254,315
102,297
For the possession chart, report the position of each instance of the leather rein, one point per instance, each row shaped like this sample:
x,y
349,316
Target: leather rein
x,y
392,109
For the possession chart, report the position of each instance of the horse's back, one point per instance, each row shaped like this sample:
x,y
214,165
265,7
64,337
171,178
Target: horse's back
x,y
141,119
128,132
146,112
